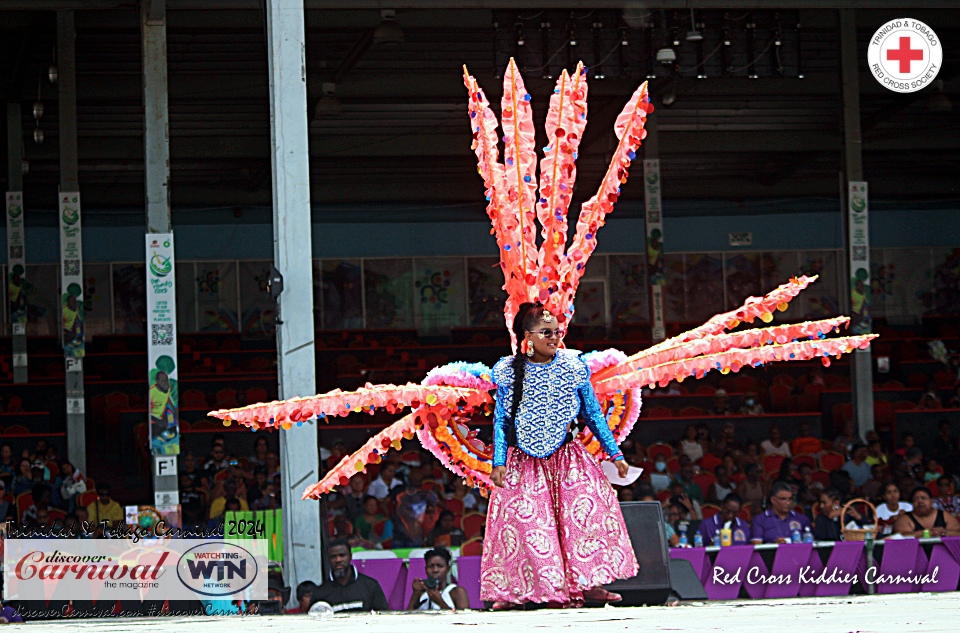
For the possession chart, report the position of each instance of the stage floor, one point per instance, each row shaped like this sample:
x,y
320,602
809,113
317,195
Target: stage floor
x,y
863,614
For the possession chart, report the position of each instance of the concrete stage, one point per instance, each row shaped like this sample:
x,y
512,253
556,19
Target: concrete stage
x,y
902,612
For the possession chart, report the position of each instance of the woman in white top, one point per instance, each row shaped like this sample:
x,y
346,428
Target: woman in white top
x,y
892,507
435,593
775,445
690,444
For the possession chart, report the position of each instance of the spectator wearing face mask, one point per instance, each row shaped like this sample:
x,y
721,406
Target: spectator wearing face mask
x,y
660,478
751,406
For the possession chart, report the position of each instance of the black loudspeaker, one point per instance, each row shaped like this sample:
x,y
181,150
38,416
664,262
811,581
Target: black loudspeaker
x,y
648,537
684,581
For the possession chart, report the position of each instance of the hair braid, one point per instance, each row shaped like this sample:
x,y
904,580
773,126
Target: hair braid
x,y
526,317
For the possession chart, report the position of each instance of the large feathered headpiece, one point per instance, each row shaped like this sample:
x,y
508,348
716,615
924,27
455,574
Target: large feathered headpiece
x,y
516,202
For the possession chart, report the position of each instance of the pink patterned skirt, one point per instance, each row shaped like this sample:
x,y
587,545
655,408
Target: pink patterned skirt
x,y
553,531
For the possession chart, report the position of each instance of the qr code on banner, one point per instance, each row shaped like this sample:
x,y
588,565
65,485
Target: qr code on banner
x,y
860,253
71,268
161,334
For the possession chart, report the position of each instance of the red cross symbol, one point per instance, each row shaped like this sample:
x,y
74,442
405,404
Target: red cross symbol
x,y
905,54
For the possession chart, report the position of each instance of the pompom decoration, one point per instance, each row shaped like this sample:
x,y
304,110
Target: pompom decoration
x,y
444,405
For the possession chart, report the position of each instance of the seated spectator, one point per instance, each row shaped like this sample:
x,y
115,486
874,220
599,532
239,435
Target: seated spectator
x,y
913,463
337,453
703,435
41,494
192,502
948,501
730,463
908,442
841,480
752,490
269,499
751,406
924,517
727,442
892,507
690,444
436,592
260,449
387,481
774,444
464,494
721,404
218,504
624,494
258,485
726,519
412,520
218,459
273,465
72,484
8,509
857,467
354,496
827,526
346,589
777,524
930,398
872,490
875,454
105,508
8,464
23,482
401,470
188,466
660,478
680,511
342,529
685,476
722,487
845,442
445,533
363,525
751,455
39,451
304,597
9,615
810,489
805,443
945,446
934,471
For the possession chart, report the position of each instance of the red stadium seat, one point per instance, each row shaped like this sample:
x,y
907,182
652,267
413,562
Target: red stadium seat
x,y
831,461
704,480
473,547
710,462
771,463
809,460
708,510
780,398
472,524
659,449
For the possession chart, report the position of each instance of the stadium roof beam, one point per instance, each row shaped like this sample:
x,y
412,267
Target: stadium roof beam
x,y
207,5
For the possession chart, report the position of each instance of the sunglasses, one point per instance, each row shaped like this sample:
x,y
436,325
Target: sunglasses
x,y
558,333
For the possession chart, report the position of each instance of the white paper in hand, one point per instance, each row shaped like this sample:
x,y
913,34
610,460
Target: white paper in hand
x,y
610,470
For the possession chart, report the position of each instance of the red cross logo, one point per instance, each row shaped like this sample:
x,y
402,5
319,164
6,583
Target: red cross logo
x,y
905,55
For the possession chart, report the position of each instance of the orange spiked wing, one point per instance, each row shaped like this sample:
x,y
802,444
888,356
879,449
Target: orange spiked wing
x,y
566,119
630,131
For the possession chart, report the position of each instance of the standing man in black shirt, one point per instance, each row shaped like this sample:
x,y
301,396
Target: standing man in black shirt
x,y
346,589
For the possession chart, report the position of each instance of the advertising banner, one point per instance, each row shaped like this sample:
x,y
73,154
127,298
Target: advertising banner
x,y
654,245
861,318
71,276
16,263
134,569
162,345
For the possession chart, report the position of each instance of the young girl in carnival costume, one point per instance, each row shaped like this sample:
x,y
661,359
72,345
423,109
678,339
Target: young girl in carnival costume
x,y
554,529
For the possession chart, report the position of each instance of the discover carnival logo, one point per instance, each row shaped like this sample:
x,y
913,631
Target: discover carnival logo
x,y
905,55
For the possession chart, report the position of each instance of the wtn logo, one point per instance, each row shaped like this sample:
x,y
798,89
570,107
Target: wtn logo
x,y
224,569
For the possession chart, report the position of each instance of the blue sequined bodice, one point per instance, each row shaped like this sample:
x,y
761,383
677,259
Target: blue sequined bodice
x,y
553,395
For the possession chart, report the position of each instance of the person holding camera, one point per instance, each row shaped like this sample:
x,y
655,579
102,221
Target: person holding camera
x,y
435,593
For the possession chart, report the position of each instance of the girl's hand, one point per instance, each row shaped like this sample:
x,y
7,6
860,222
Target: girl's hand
x,y
622,468
499,472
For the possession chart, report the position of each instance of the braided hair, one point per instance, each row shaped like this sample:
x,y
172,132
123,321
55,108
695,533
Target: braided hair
x,y
527,316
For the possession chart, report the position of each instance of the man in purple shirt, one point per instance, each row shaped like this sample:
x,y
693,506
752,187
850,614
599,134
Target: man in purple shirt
x,y
726,518
776,525
9,615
